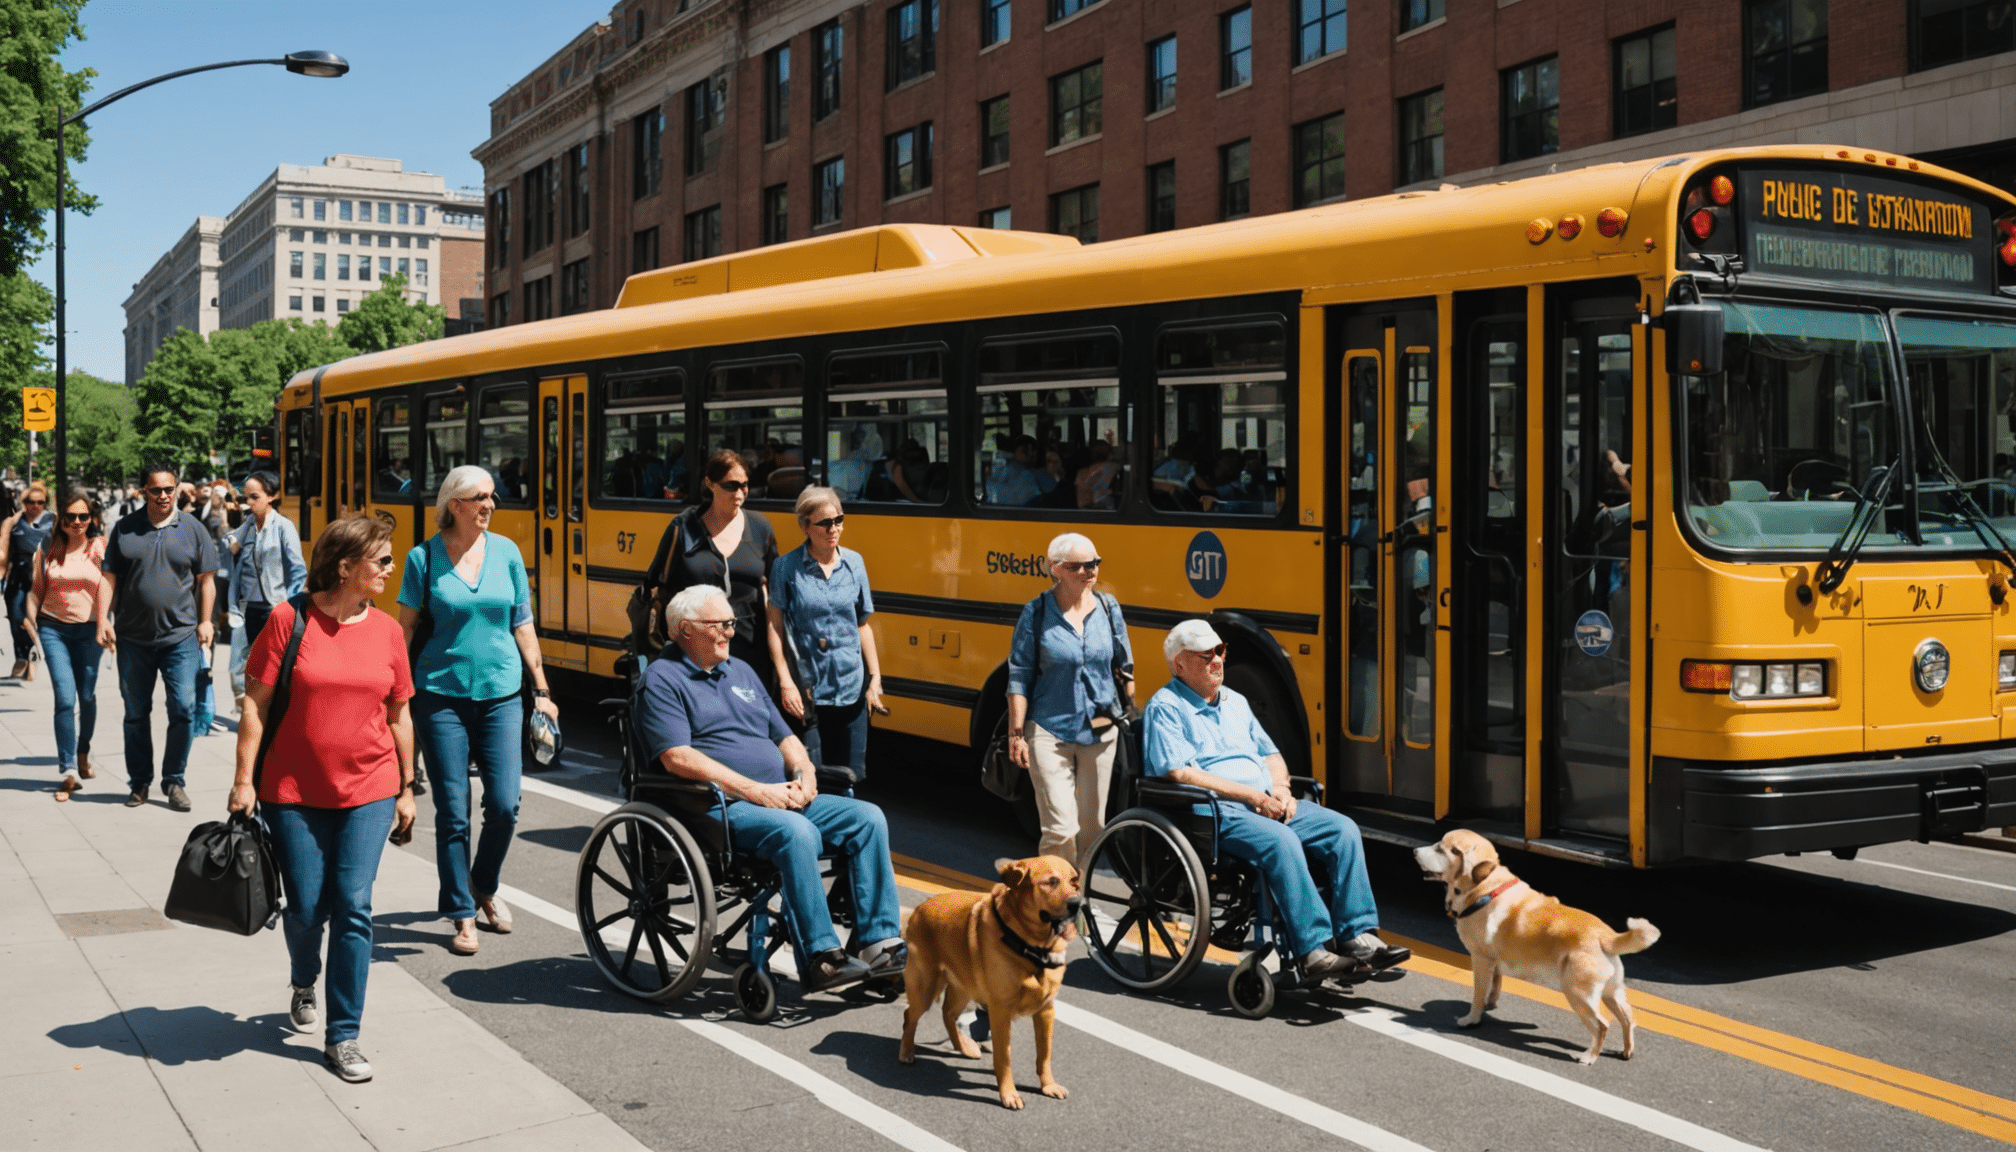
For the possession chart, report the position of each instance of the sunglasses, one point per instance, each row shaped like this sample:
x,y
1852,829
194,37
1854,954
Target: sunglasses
x,y
731,486
76,517
384,562
33,500
717,625
1207,653
480,498
1091,565
169,490
830,521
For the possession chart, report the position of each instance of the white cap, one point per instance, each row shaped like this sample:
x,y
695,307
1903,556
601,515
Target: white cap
x,y
1189,636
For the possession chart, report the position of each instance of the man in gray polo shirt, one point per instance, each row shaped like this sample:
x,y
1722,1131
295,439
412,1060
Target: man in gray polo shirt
x,y
160,569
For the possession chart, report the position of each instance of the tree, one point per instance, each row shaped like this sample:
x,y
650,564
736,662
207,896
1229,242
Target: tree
x,y
104,449
26,309
35,93
202,395
385,320
178,398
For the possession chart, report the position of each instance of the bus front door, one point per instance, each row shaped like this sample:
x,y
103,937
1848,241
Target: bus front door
x,y
562,593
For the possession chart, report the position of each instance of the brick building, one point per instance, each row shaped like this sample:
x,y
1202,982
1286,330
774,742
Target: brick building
x,y
677,129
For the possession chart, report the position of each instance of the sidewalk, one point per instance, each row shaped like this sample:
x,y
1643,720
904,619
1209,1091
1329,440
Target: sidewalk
x,y
124,1030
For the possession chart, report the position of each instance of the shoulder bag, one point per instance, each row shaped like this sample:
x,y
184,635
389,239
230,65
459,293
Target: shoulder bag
x,y
1127,753
646,608
227,877
998,773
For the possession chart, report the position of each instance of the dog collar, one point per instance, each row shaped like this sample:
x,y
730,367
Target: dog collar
x,y
1485,899
1042,958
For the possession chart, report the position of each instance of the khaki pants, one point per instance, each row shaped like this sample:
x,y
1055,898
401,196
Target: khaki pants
x,y
1070,781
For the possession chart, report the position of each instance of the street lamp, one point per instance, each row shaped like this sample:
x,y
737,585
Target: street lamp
x,y
317,63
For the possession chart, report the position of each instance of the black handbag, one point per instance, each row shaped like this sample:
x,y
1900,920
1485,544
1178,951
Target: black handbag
x,y
227,877
1127,752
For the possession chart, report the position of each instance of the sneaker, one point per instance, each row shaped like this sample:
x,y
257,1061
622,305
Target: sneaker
x,y
346,1059
886,959
1367,948
302,1008
137,798
831,969
1323,964
178,798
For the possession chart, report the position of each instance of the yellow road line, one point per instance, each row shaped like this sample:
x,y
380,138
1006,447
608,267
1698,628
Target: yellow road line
x,y
1949,1103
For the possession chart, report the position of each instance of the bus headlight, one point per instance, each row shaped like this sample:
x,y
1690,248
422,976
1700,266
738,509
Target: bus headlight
x,y
1778,680
2005,672
1931,664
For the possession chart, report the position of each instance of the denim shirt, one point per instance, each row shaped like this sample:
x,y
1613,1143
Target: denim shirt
x,y
269,565
1066,674
823,616
1225,739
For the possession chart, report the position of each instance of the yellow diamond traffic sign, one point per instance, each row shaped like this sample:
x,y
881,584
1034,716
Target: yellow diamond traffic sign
x,y
39,409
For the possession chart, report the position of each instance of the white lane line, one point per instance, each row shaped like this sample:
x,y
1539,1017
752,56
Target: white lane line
x,y
574,796
1358,1132
1682,1132
1940,875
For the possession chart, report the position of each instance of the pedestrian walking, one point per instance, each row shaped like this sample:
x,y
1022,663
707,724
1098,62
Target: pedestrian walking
x,y
266,569
159,590
819,609
21,537
465,606
721,544
337,778
63,612
1063,700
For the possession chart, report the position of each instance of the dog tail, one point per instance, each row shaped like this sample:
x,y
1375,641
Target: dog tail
x,y
1642,935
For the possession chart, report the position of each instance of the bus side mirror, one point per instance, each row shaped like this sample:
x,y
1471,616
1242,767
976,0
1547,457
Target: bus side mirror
x,y
1693,339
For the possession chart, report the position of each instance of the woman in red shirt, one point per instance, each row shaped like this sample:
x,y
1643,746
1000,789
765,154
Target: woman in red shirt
x,y
338,777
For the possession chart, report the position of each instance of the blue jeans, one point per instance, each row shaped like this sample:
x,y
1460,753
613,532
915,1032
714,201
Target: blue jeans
x,y
1284,853
73,655
177,665
793,842
840,728
328,860
452,732
17,619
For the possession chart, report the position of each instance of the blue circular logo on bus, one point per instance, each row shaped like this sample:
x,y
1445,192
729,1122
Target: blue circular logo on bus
x,y
1204,564
1593,633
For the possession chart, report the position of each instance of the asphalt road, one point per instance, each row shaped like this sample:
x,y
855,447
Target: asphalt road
x,y
1806,1003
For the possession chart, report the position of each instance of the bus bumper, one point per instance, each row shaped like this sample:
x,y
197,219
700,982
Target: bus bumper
x,y
1711,810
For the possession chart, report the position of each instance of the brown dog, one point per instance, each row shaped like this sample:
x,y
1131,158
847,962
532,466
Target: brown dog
x,y
1511,929
1004,948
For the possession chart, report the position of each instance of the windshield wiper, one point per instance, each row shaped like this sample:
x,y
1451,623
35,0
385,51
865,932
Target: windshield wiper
x,y
1978,519
1868,505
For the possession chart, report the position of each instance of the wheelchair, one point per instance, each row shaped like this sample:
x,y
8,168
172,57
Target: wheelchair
x,y
1166,893
660,889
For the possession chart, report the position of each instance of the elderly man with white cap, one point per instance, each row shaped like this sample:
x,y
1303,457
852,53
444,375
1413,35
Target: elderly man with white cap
x,y
1201,733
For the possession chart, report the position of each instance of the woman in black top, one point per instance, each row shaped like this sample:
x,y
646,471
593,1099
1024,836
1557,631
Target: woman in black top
x,y
720,527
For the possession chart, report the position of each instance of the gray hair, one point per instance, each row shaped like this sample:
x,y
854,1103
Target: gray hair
x,y
457,485
814,498
690,604
1062,547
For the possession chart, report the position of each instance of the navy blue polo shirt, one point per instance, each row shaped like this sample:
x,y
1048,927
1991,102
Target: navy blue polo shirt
x,y
725,714
156,567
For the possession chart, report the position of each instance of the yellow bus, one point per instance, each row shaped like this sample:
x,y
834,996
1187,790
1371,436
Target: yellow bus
x,y
1653,512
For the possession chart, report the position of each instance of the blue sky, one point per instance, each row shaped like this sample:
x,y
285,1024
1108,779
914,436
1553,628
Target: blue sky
x,y
423,73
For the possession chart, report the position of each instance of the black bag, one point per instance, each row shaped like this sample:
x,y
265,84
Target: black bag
x,y
423,628
1128,759
227,877
646,609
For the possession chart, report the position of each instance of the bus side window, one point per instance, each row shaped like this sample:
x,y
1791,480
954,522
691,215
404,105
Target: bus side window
x,y
888,429
644,437
1362,537
504,441
758,409
447,444
1050,431
394,477
1221,419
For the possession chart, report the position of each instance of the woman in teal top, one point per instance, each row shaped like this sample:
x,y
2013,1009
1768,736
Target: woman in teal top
x,y
466,607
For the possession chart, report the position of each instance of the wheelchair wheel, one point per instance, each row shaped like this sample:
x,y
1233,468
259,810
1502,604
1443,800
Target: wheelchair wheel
x,y
755,994
1251,988
645,903
1149,907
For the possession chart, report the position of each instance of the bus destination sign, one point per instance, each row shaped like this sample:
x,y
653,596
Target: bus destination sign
x,y
1852,228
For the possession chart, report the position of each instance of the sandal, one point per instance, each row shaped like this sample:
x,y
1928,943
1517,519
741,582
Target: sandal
x,y
70,784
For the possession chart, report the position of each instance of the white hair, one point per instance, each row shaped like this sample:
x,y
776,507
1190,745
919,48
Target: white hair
x,y
690,604
1062,547
457,485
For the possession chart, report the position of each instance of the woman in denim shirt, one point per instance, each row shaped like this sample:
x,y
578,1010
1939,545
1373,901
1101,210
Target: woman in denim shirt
x,y
820,604
1062,698
267,568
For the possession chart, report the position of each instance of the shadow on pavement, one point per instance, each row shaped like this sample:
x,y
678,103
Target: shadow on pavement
x,y
938,1072
569,840
184,1035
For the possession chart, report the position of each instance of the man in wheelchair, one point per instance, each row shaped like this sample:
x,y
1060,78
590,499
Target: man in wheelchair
x,y
1201,733
701,711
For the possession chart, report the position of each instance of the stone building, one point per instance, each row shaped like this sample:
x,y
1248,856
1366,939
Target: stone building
x,y
179,291
678,129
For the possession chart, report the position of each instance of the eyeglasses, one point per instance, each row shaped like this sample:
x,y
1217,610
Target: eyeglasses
x,y
1091,565
168,490
480,498
76,517
731,486
717,625
831,521
1207,653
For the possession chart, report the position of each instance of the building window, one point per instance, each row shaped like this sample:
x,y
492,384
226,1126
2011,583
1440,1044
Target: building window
x,y
342,306
539,298
1420,137
1074,104
1235,180
1235,48
647,158
1162,74
384,267
829,181
906,166
1785,45
1949,31
994,132
996,218
420,242
1418,13
343,267
321,266
1076,213
405,268
364,211
420,216
574,287
577,189
706,112
500,309
342,209
993,22
297,235
1530,101
541,184
294,210
1319,160
404,213
1059,9
294,303
384,212
913,41
644,250
777,94
321,236
1648,97
320,303
1162,196
405,241
420,272
321,209
1319,29
829,44
703,233
294,265
776,214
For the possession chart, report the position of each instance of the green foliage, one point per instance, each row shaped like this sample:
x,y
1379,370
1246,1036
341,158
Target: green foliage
x,y
35,92
104,449
26,309
201,395
384,320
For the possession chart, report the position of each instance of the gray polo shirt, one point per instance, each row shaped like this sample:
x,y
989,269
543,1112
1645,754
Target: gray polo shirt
x,y
156,569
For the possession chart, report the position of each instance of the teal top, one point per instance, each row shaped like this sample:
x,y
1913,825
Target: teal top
x,y
470,653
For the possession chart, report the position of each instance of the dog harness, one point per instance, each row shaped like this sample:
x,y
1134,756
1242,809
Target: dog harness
x,y
1485,899
1040,957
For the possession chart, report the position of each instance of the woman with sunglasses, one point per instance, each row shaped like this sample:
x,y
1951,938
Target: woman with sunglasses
x,y
723,544
63,613
1065,691
466,590
266,568
21,537
819,606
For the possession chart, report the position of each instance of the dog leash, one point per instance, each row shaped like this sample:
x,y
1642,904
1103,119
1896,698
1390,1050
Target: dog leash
x,y
1485,899
1042,958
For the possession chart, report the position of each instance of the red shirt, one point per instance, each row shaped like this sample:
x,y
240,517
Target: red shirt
x,y
334,748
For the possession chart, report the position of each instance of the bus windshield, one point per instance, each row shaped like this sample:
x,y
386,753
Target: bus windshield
x,y
1961,376
1796,427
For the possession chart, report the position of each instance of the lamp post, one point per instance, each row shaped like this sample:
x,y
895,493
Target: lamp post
x,y
322,64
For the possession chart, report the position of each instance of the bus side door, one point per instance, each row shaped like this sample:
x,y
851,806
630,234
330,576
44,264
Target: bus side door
x,y
562,610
